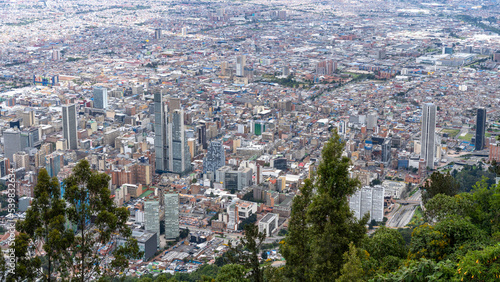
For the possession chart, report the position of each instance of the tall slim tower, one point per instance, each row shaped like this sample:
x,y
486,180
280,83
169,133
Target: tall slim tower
x,y
161,144
171,146
70,125
100,98
240,65
428,134
171,201
152,218
480,128
179,156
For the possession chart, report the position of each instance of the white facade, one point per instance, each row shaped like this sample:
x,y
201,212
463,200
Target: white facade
x,y
368,200
269,223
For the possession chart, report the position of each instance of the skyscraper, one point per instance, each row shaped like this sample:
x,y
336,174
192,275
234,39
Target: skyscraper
x,y
480,128
157,33
152,218
428,134
100,98
179,156
171,147
215,157
202,135
70,125
161,145
11,142
171,201
240,65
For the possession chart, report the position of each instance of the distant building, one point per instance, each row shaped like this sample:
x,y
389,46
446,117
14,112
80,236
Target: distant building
x,y
234,179
171,201
146,242
171,146
12,142
240,65
368,200
215,157
70,126
428,141
100,98
386,150
269,224
152,218
56,55
157,33
480,129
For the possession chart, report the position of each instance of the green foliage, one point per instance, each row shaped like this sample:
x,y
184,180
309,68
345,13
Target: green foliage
x,y
427,242
470,175
442,206
44,222
251,220
386,242
323,219
482,265
440,184
246,253
422,270
87,196
352,270
231,273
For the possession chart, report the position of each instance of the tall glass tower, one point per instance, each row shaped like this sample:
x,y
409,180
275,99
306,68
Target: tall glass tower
x,y
428,134
480,128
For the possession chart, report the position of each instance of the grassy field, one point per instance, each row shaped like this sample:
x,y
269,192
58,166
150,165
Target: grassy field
x,y
451,132
466,137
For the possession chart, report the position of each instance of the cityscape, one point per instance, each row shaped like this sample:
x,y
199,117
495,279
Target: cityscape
x,y
249,140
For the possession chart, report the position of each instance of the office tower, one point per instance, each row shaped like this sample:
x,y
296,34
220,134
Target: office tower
x,y
215,157
184,31
11,143
286,70
4,166
282,15
56,55
381,54
53,163
480,128
22,159
171,147
371,122
157,33
240,65
100,98
368,200
152,218
70,125
161,145
30,138
179,156
386,150
171,201
202,135
28,118
428,134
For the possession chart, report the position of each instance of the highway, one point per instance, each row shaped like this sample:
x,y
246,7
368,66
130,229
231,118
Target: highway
x,y
403,214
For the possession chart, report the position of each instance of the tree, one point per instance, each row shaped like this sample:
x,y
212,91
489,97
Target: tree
x,y
328,219
427,242
388,247
296,248
440,183
98,222
43,229
352,270
231,273
246,253
441,206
